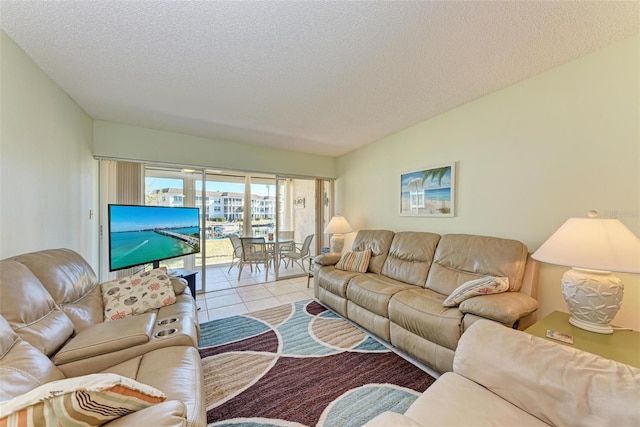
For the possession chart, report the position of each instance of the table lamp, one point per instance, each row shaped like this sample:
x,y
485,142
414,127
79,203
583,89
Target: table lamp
x,y
337,227
593,248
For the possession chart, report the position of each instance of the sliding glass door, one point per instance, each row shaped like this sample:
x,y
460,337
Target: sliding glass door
x,y
295,225
291,210
222,201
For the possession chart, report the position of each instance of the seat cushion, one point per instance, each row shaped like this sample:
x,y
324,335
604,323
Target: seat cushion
x,y
420,311
334,281
453,400
176,371
373,292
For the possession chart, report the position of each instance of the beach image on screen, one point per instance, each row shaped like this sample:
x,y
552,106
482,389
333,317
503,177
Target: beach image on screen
x,y
144,234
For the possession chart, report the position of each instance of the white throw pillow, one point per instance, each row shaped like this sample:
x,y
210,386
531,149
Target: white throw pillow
x,y
137,294
473,288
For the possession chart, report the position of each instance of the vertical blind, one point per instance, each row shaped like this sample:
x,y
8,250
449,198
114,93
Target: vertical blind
x,y
121,183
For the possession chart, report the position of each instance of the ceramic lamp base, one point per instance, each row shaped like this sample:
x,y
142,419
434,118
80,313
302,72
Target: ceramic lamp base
x,y
336,243
593,298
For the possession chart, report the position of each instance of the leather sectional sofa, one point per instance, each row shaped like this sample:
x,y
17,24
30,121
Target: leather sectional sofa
x,y
53,327
410,274
503,377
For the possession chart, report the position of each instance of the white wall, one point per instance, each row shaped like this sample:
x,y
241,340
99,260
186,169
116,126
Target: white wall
x,y
529,157
138,143
48,175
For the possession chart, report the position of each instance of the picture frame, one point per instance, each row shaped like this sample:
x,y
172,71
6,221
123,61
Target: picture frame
x,y
429,192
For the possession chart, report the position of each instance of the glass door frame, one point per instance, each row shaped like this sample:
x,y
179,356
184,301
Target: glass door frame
x,y
319,214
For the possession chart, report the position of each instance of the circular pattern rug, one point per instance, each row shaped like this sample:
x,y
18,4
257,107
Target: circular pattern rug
x,y
300,364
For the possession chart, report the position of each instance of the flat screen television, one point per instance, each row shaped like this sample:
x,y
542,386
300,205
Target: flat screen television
x,y
149,234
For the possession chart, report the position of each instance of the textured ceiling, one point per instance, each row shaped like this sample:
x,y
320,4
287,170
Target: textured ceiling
x,y
323,77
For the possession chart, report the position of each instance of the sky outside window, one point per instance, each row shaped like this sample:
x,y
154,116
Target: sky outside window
x,y
153,183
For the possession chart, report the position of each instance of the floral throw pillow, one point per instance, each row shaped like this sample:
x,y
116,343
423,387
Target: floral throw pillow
x,y
137,294
473,288
89,400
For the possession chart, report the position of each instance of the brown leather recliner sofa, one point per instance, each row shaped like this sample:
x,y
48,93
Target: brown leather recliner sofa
x,y
409,276
52,326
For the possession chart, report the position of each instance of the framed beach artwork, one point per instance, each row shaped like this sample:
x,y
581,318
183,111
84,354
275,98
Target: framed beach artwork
x,y
428,192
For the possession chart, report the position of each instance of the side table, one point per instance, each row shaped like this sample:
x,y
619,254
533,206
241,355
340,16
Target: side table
x,y
621,346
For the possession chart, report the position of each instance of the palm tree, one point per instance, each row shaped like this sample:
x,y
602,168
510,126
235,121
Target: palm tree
x,y
438,173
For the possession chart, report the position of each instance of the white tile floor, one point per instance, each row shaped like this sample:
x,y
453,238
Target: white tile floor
x,y
227,296
221,278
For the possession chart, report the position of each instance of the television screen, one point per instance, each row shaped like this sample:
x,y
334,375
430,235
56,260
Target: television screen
x,y
149,234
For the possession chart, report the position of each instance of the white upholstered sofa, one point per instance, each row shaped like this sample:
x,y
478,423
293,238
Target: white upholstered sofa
x,y
503,377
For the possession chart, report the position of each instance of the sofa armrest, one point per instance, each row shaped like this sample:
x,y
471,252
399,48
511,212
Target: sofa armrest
x,y
166,414
107,337
504,308
179,285
327,259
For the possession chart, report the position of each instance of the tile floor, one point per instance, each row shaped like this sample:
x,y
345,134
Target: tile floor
x,y
227,296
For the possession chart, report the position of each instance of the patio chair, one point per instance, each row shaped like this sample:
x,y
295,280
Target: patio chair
x,y
284,247
255,251
298,255
237,250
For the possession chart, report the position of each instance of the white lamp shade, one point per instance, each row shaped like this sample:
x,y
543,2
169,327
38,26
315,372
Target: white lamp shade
x,y
592,243
338,225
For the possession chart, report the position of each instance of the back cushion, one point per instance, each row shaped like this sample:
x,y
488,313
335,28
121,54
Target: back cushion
x,y
379,241
463,257
71,281
30,309
22,366
410,257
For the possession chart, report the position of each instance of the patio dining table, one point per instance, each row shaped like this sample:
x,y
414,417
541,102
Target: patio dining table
x,y
268,241
269,244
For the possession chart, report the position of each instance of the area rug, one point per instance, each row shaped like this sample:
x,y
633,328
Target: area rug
x,y
301,365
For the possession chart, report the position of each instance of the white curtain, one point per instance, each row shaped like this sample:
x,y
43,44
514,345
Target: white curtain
x,y
122,183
